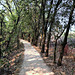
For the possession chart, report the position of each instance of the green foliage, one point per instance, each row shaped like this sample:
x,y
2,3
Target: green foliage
x,y
25,16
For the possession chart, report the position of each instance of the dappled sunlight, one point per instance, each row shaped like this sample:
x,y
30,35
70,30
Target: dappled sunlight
x,y
33,63
33,59
23,41
37,37
36,73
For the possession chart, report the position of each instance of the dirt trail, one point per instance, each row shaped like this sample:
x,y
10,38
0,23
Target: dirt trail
x,y
33,63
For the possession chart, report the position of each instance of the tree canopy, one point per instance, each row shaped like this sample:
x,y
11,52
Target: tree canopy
x,y
31,19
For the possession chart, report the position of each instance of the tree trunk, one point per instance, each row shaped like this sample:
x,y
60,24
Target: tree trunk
x,y
56,45
17,41
45,27
10,35
29,37
8,42
55,51
66,35
22,35
37,36
32,40
43,44
48,40
44,33
35,28
1,38
40,42
0,48
52,21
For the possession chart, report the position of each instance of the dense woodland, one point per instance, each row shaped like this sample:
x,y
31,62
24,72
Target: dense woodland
x,y
33,20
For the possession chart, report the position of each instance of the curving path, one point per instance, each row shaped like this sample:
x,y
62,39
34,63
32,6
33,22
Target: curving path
x,y
33,63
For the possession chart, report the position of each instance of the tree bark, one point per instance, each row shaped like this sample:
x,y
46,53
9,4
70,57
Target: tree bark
x,y
55,51
56,45
1,37
29,37
10,35
18,41
0,47
52,21
35,26
8,42
66,35
43,43
22,35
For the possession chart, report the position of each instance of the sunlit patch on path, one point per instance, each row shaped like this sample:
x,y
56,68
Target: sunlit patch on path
x,y
33,63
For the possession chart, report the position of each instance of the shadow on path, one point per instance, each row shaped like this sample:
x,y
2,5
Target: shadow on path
x,y
33,63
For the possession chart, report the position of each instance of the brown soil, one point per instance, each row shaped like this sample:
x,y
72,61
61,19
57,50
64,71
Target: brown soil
x,y
68,64
14,60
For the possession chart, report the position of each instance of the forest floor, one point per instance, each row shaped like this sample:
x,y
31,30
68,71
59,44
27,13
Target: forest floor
x,y
68,64
10,64
16,56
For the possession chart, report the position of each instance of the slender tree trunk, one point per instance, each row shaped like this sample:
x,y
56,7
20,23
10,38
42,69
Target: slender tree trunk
x,y
17,41
66,35
37,32
32,40
56,45
40,41
29,37
37,36
22,35
1,38
43,44
52,21
35,28
48,40
34,37
55,51
45,27
44,35
10,35
8,42
0,48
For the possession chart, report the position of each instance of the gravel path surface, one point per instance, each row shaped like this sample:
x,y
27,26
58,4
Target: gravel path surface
x,y
33,63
